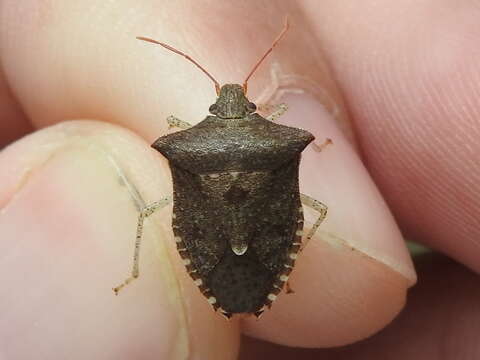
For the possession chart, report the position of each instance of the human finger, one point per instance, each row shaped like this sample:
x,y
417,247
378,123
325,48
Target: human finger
x,y
69,201
409,73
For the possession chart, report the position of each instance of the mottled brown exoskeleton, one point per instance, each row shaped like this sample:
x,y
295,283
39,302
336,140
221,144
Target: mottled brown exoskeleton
x,y
237,213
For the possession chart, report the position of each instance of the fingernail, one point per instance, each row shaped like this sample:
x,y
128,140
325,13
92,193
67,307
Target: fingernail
x,y
358,217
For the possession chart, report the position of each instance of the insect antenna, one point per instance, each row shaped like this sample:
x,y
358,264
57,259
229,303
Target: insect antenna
x,y
168,47
275,42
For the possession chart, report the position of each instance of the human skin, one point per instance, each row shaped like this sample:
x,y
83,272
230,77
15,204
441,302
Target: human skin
x,y
440,321
393,85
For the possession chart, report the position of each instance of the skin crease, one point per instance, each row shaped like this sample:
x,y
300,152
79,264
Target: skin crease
x,y
411,100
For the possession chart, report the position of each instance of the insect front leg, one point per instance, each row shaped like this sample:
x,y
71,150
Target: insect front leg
x,y
276,111
146,212
318,206
322,146
176,122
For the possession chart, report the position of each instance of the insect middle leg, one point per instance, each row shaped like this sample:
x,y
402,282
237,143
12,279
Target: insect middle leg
x,y
318,206
146,212
176,122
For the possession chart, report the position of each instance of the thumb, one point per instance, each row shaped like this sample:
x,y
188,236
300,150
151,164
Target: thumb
x,y
68,203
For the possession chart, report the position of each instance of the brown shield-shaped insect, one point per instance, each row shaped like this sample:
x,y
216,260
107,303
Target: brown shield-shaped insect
x,y
237,210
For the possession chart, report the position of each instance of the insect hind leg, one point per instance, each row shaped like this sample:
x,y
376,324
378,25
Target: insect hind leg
x,y
322,210
146,212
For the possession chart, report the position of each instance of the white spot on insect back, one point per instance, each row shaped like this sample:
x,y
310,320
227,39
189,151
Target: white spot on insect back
x,y
239,249
198,282
186,261
272,297
299,233
212,300
293,256
283,278
177,239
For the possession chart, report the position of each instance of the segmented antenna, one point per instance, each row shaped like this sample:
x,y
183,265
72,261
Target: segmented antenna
x,y
275,42
168,47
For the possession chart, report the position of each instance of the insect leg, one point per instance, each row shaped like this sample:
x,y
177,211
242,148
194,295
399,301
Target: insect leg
x,y
318,206
280,109
322,146
176,122
146,212
288,288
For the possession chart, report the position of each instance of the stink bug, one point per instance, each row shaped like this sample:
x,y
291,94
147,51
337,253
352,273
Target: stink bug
x,y
237,210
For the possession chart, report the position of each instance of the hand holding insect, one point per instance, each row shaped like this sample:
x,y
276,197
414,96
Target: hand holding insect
x,y
68,211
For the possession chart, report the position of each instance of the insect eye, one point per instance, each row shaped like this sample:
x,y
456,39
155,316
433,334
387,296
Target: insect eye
x,y
213,108
251,107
